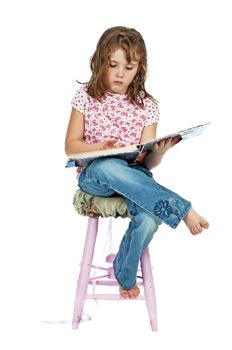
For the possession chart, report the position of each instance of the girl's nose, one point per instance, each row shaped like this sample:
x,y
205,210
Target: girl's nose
x,y
119,72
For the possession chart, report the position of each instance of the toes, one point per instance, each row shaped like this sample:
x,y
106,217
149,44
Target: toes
x,y
131,293
131,296
196,229
124,293
134,292
204,223
137,290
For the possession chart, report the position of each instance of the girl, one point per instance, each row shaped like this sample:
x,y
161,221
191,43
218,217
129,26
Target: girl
x,y
114,109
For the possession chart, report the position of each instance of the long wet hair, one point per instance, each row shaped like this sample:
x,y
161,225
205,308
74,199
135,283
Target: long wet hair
x,y
131,41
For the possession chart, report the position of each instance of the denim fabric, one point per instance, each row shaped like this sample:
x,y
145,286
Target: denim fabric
x,y
137,237
149,204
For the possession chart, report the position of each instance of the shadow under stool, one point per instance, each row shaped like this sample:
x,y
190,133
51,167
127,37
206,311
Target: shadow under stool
x,y
95,207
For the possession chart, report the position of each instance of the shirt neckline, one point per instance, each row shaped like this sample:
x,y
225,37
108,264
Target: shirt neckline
x,y
108,93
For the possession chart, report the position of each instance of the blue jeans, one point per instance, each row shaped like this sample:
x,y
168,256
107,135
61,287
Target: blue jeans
x,y
148,203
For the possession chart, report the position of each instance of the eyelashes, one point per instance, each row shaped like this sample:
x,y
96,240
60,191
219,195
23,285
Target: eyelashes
x,y
114,66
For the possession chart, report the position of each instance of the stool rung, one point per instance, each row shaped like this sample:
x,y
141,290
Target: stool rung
x,y
108,282
111,297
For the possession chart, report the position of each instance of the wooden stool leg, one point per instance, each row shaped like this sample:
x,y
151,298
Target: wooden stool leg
x,y
149,288
85,269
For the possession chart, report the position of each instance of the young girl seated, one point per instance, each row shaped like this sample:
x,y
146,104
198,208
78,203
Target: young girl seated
x,y
112,110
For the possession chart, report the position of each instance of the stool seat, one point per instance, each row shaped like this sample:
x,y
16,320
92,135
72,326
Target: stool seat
x,y
95,207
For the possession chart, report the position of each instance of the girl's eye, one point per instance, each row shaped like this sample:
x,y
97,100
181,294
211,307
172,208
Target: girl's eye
x,y
112,65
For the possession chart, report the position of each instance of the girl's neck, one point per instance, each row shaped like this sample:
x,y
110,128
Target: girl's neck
x,y
115,94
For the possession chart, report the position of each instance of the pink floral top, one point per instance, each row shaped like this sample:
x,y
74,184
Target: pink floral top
x,y
115,117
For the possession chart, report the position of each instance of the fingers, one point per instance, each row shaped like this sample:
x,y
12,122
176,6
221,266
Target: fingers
x,y
168,143
109,144
176,139
112,144
163,144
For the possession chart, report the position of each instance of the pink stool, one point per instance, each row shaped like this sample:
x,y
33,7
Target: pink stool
x,y
108,279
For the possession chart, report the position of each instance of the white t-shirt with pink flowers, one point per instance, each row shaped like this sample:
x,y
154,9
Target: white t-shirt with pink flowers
x,y
114,117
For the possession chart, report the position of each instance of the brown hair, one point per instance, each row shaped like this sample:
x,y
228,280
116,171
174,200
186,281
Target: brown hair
x,y
133,44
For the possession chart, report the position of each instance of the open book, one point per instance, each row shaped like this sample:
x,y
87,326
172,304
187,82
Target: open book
x,y
133,152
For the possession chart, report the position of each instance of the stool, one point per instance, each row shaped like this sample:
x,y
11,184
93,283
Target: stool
x,y
108,279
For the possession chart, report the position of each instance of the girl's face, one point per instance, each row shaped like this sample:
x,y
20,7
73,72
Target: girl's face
x,y
120,72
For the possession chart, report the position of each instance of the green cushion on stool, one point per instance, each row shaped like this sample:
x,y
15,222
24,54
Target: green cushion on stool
x,y
94,206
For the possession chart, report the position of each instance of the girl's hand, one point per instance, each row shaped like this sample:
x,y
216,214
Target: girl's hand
x,y
111,144
162,147
154,158
105,145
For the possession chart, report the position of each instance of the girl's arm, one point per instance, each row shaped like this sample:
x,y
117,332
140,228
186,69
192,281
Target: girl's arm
x,y
154,157
74,136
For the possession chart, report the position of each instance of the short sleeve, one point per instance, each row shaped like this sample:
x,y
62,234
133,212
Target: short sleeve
x,y
152,112
79,100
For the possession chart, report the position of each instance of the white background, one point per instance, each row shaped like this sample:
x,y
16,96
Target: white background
x,y
45,47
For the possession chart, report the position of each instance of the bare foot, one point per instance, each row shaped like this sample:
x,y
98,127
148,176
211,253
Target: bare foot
x,y
195,222
123,292
130,293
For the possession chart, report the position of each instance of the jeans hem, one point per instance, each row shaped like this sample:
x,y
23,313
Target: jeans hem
x,y
123,286
176,222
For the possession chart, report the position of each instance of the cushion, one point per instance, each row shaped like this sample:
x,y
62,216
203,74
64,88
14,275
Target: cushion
x,y
94,206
